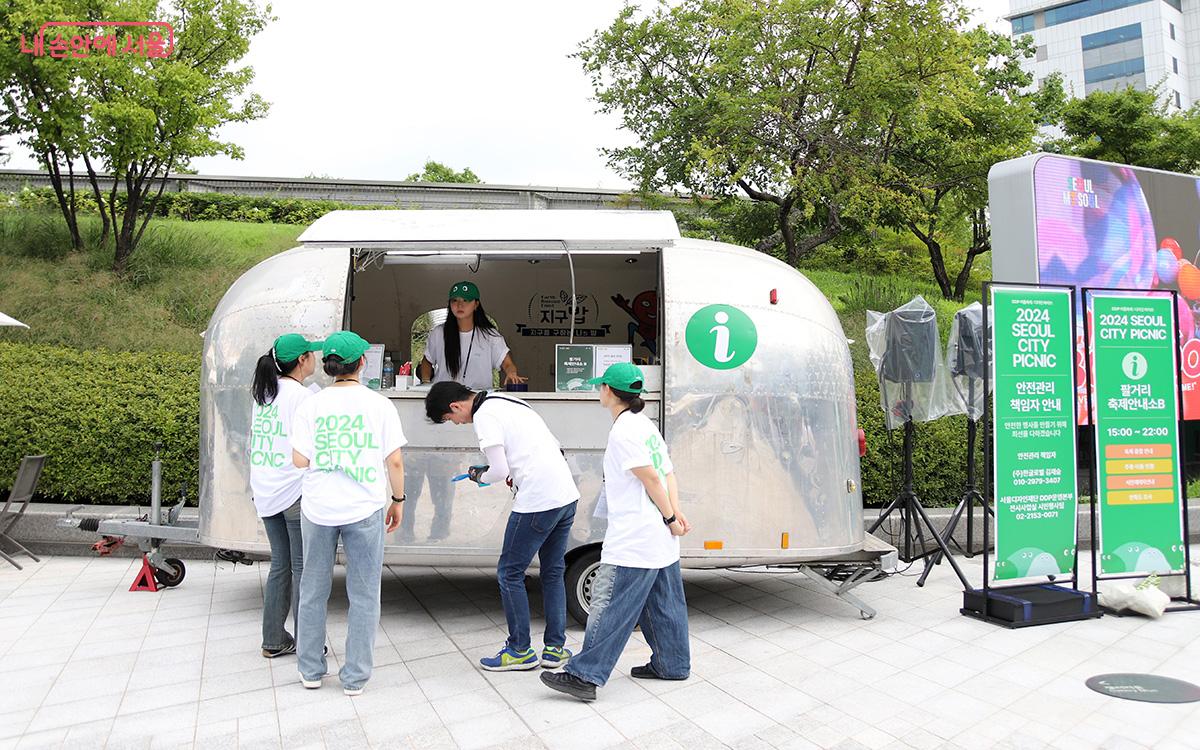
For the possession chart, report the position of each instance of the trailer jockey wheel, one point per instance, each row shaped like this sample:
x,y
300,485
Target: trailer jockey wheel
x,y
165,578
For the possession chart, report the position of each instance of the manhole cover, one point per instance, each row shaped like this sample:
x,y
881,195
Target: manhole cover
x,y
1150,688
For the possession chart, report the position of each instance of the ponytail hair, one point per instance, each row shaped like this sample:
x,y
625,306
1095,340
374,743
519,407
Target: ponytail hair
x,y
267,372
633,401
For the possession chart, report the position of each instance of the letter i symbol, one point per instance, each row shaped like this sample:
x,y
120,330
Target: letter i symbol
x,y
721,351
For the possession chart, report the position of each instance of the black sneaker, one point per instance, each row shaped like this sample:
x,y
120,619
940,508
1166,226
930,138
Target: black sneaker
x,y
646,672
565,682
272,653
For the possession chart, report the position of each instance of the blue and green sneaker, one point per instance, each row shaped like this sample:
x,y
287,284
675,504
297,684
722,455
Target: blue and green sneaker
x,y
554,657
509,660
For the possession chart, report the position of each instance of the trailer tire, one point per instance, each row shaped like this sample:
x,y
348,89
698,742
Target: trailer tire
x,y
578,579
167,580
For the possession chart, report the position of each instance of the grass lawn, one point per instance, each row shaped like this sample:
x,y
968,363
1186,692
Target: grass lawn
x,y
177,276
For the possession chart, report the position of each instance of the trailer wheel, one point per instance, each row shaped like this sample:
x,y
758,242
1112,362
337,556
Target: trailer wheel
x,y
581,573
167,580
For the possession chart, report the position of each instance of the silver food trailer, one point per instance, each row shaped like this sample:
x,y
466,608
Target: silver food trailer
x,y
749,372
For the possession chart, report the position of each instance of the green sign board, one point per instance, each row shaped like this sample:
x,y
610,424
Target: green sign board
x,y
1135,380
575,364
1033,434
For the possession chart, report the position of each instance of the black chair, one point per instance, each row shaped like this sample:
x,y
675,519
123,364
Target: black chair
x,y
18,500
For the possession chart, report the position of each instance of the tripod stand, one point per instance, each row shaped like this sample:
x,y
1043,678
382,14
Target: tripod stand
x,y
966,504
914,520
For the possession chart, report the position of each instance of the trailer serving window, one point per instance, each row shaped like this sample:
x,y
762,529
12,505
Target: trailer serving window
x,y
538,297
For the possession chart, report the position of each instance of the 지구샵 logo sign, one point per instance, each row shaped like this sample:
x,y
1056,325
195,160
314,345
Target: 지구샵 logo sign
x,y
721,337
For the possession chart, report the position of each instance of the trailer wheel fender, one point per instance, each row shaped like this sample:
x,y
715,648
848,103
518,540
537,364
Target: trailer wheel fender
x,y
581,571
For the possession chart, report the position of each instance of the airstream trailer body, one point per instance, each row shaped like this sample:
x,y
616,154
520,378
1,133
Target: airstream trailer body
x,y
755,399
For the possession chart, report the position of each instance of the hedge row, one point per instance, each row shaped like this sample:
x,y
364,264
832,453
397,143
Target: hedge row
x,y
205,206
97,415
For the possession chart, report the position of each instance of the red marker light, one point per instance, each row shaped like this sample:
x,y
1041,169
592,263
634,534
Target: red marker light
x,y
774,296
862,443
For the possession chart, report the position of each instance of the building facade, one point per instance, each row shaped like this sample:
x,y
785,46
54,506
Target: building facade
x,y
1105,45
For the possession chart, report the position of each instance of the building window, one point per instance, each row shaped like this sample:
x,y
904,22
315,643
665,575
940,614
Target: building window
x,y
1112,36
1178,101
1172,30
1022,24
1041,53
1122,69
1175,65
1176,4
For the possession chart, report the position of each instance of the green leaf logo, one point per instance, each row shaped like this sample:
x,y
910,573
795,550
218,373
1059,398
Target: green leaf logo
x,y
721,337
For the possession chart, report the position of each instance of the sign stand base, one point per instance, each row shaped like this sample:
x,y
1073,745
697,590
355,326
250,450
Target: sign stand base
x,y
1028,605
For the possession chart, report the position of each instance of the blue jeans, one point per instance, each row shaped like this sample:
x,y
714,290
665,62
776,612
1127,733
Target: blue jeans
x,y
363,544
543,534
625,597
282,592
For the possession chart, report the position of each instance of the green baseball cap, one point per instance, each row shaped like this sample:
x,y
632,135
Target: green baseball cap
x,y
292,346
464,290
623,376
346,344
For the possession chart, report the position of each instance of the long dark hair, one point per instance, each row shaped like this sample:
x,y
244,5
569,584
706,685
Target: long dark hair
x,y
633,401
266,377
453,348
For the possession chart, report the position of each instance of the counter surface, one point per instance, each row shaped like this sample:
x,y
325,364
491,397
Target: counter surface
x,y
576,419
419,393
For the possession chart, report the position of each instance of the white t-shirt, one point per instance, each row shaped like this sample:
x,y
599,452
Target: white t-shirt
x,y
274,479
636,535
535,459
479,353
346,433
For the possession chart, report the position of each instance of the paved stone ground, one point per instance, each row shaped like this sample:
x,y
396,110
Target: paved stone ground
x,y
777,664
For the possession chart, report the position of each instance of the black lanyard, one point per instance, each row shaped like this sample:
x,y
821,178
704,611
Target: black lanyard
x,y
462,373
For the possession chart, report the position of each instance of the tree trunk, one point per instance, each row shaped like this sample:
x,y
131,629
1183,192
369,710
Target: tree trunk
x,y
95,180
65,204
787,232
980,244
802,246
936,259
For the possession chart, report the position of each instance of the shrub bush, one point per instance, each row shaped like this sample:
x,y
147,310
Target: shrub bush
x,y
206,206
97,415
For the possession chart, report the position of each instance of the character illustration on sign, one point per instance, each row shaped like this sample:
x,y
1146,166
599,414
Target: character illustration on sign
x,y
644,310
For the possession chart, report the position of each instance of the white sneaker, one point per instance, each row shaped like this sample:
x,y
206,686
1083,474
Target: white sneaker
x,y
310,684
352,691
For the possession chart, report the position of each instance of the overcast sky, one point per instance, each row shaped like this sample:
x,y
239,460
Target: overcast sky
x,y
371,90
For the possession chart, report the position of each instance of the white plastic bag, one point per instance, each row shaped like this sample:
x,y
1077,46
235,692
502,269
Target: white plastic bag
x,y
1144,597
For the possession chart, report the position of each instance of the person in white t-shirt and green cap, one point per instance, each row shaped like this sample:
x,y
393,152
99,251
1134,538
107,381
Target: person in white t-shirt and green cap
x,y
639,581
467,348
348,438
275,483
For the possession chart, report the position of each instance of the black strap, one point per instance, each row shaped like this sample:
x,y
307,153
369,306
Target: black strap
x,y
484,396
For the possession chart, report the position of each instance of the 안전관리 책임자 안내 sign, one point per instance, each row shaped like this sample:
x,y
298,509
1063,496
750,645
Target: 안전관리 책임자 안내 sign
x,y
1135,378
1033,434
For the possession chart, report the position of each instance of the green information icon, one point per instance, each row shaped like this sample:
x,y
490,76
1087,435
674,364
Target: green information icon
x,y
1134,365
721,337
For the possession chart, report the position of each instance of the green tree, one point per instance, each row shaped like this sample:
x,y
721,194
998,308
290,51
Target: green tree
x,y
137,117
984,114
437,172
1131,126
43,101
796,103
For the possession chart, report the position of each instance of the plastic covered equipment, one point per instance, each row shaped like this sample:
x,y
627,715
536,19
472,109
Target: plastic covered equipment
x,y
907,354
965,360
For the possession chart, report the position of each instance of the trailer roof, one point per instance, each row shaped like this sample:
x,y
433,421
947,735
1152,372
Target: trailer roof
x,y
382,228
